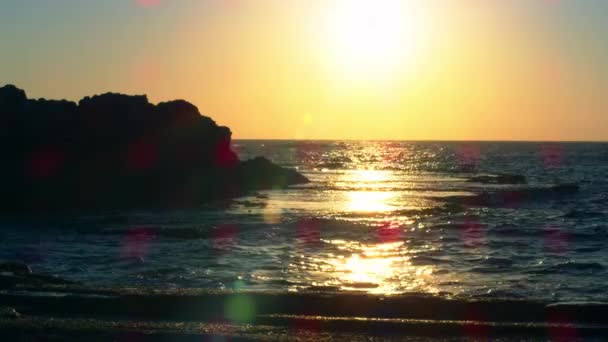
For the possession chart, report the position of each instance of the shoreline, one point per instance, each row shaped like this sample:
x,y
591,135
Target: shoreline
x,y
184,314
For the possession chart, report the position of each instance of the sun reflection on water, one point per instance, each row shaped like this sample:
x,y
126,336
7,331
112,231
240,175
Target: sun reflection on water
x,y
370,176
369,201
367,197
379,268
383,266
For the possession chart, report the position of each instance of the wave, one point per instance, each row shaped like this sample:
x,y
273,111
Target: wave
x,y
420,260
588,249
581,214
460,226
570,267
161,273
486,270
186,233
497,262
514,197
499,179
200,304
386,187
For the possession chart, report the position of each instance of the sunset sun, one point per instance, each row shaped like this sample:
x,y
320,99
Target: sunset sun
x,y
372,37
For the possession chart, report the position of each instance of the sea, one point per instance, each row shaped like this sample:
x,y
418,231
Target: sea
x,y
379,217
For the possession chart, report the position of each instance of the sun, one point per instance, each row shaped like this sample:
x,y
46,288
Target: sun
x,y
372,37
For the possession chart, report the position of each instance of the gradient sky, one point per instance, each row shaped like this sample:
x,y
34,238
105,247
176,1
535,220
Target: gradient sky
x,y
321,69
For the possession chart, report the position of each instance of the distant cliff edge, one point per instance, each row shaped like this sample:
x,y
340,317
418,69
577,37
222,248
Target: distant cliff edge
x,y
115,151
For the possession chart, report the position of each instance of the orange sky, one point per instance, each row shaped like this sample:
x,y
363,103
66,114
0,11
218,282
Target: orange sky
x,y
329,69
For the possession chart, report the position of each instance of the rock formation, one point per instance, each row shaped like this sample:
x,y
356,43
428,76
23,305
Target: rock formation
x,y
119,151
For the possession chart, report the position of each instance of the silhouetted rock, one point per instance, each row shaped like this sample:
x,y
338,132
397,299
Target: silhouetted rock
x,y
119,151
275,176
11,97
515,197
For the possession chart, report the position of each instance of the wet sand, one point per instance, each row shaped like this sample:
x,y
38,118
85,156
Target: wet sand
x,y
70,312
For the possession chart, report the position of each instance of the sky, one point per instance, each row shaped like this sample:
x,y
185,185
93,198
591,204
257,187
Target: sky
x,y
329,69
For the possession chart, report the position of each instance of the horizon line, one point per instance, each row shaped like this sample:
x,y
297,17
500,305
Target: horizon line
x,y
428,140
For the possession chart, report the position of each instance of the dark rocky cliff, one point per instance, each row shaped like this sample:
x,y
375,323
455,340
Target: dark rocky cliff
x,y
119,151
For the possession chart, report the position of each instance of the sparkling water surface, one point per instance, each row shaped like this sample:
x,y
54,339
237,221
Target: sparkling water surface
x,y
375,218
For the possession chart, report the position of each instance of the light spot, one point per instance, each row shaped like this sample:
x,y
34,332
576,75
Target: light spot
x,y
307,119
468,156
240,308
389,232
556,240
309,232
552,155
224,236
272,214
141,155
46,162
145,72
473,234
137,243
148,3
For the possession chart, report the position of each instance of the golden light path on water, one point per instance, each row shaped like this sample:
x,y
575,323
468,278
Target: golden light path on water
x,y
380,267
369,201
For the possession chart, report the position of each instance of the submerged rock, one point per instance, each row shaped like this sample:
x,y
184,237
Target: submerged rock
x,y
260,173
515,197
120,151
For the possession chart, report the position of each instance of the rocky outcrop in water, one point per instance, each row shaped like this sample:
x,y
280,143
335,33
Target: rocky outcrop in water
x,y
119,151
515,197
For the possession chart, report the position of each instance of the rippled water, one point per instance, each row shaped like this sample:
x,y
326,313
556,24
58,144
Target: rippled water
x,y
379,217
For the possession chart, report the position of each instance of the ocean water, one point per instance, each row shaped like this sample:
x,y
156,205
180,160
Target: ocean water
x,y
377,217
